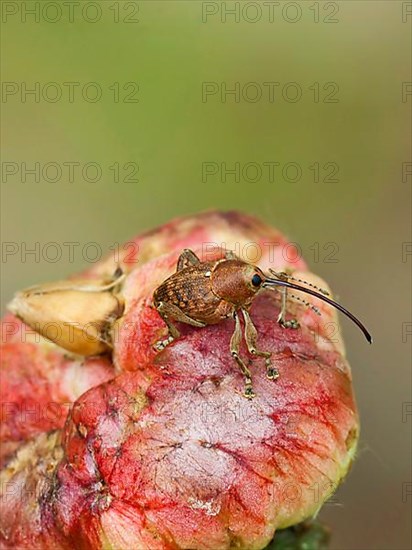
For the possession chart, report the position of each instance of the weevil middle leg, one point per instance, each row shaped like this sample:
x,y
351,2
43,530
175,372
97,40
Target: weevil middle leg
x,y
293,323
234,350
251,339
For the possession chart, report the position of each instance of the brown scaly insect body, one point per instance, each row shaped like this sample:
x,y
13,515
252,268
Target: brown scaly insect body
x,y
188,292
209,292
206,293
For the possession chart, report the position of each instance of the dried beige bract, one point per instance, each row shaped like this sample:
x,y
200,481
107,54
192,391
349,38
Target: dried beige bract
x,y
76,315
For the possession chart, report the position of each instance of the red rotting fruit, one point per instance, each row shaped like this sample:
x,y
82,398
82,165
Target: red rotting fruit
x,y
160,449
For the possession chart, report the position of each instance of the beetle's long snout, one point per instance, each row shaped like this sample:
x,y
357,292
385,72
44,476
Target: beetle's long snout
x,y
273,283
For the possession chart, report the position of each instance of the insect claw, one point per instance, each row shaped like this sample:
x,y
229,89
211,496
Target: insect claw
x,y
161,344
272,373
249,393
293,323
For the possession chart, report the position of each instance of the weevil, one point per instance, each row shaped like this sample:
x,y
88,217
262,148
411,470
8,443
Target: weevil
x,y
206,293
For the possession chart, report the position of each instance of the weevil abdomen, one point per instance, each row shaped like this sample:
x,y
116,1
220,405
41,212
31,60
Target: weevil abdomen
x,y
190,290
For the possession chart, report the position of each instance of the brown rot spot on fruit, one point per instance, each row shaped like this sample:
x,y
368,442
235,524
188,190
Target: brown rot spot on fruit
x,y
351,439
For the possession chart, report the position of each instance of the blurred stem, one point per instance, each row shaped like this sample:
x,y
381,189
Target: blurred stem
x,y
309,535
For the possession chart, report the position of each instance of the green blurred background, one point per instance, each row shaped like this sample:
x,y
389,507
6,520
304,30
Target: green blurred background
x,y
172,49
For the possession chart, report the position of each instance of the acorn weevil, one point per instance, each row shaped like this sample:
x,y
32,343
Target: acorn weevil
x,y
206,293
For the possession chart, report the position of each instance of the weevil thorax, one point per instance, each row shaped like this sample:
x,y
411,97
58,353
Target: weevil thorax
x,y
236,281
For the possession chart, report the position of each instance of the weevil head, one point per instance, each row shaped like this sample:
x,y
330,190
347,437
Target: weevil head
x,y
236,281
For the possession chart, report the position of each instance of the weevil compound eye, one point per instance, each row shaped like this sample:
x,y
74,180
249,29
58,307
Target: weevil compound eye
x,y
256,280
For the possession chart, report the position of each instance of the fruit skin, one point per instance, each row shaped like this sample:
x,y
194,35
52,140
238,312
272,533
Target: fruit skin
x,y
165,453
39,384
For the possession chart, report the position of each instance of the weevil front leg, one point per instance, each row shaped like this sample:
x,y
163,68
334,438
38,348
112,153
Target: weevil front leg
x,y
167,312
234,350
251,338
293,323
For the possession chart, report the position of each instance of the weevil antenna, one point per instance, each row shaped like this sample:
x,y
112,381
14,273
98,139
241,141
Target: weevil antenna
x,y
271,283
307,304
285,276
